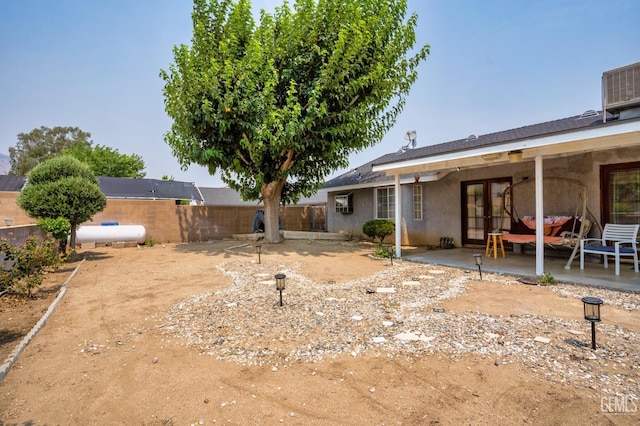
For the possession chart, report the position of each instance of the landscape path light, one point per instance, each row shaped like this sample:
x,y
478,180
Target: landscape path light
x,y
592,314
280,279
478,259
258,250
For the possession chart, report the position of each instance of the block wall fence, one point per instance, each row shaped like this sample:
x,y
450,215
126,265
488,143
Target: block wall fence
x,y
165,221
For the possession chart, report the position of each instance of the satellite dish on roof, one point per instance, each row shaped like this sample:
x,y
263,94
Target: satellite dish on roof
x,y
411,137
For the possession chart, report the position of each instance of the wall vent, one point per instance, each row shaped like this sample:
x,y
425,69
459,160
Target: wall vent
x,y
621,88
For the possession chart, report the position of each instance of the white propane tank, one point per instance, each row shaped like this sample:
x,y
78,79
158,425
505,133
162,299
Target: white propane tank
x,y
110,234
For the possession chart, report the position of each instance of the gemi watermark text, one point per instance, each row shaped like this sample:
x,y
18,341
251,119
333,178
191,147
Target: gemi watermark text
x,y
619,404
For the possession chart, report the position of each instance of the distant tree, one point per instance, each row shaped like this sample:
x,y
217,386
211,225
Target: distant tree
x,y
62,187
106,161
279,106
42,144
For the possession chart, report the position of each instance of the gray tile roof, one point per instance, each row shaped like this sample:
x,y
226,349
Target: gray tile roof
x,y
11,183
364,175
114,187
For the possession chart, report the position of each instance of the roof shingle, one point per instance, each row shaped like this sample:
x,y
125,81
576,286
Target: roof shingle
x,y
363,174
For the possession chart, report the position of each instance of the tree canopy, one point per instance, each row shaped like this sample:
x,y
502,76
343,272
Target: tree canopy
x,y
106,161
42,144
278,106
62,187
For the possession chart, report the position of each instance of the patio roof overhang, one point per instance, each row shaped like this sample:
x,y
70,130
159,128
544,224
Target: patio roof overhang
x,y
602,138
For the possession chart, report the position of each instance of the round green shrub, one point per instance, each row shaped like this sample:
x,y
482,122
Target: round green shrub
x,y
378,228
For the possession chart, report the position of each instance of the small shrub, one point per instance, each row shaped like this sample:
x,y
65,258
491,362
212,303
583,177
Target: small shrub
x,y
378,228
28,264
546,279
59,229
149,241
383,251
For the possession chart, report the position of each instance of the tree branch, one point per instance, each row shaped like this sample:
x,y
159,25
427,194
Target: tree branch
x,y
289,161
244,136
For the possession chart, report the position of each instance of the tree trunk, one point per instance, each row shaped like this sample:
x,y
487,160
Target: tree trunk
x,y
271,196
72,238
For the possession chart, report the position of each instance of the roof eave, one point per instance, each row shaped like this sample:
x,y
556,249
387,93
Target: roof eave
x,y
616,135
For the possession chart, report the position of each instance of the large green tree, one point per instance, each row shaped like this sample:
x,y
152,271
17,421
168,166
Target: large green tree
x,y
106,161
278,106
42,144
62,187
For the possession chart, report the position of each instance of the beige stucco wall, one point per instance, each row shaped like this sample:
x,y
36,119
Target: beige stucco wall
x,y
9,209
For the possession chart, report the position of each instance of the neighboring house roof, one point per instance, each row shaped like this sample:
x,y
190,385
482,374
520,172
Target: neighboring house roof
x,y
156,189
11,183
225,197
128,188
365,176
230,197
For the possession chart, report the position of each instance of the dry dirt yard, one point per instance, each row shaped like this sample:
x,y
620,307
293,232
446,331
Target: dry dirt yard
x,y
194,334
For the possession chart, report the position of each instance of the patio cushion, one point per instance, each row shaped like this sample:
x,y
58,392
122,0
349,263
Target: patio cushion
x,y
609,249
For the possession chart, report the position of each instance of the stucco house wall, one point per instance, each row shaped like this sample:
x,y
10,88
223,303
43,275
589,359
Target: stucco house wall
x,y
364,210
350,222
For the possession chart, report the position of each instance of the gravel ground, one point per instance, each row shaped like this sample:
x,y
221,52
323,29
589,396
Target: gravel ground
x,y
397,313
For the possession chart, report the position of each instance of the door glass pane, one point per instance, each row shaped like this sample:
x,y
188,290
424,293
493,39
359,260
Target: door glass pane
x,y
475,210
624,199
498,218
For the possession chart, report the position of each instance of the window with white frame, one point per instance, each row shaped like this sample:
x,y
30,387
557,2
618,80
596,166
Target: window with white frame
x,y
385,203
417,202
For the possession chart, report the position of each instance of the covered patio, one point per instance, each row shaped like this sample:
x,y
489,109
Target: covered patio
x,y
596,137
524,265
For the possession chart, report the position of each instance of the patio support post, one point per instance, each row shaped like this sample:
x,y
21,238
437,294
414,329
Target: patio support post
x,y
398,217
539,182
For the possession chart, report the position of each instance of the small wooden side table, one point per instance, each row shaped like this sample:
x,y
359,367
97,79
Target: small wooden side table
x,y
493,239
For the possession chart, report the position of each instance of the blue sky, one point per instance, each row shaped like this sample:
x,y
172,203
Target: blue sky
x,y
494,65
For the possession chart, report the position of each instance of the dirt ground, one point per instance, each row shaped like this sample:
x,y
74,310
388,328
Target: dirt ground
x,y
104,358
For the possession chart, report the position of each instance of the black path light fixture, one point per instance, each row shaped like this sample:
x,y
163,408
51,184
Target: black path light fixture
x,y
258,250
478,258
592,314
280,279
